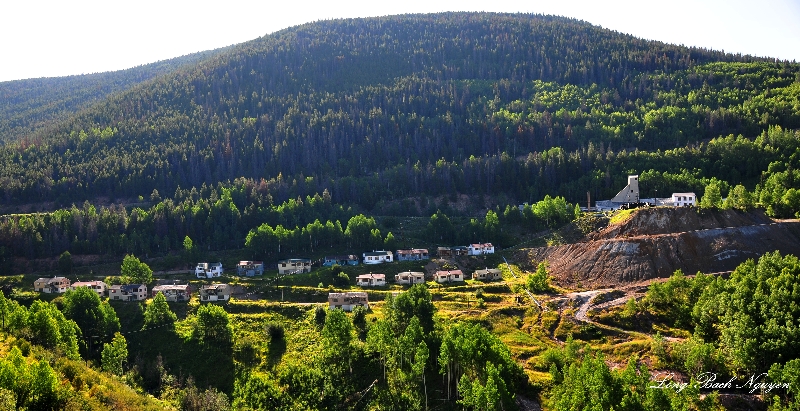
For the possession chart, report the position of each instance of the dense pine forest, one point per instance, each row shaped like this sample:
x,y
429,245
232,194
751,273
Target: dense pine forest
x,y
30,107
393,107
348,135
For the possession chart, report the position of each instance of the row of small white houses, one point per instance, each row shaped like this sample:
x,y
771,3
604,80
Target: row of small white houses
x,y
222,292
178,292
134,292
417,277
303,265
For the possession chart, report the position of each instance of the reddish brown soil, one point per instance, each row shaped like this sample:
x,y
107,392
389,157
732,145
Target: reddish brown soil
x,y
655,242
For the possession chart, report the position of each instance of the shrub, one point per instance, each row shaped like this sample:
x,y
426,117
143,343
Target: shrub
x,y
342,280
319,315
275,331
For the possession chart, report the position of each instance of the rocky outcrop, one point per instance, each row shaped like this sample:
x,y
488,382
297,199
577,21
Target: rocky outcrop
x,y
655,242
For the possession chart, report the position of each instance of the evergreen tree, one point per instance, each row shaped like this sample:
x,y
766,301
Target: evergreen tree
x,y
134,271
65,263
157,313
114,354
539,281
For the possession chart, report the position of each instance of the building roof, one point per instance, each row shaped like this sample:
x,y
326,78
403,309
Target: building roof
x,y
413,251
87,283
488,271
449,272
244,263
164,287
218,286
348,294
411,273
377,253
52,280
295,260
370,275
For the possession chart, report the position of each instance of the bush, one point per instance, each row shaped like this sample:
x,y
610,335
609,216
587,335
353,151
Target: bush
x,y
319,315
540,280
342,280
275,331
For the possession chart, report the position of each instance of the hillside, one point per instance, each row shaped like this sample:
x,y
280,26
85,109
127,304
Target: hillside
x,y
30,108
384,108
654,243
343,136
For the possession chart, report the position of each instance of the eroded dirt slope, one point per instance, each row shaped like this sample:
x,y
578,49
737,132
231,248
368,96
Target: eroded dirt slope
x,y
655,242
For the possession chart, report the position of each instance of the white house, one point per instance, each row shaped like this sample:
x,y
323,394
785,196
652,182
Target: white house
x,y
378,257
215,292
208,270
414,254
488,274
450,276
173,292
55,285
480,249
348,301
371,280
250,268
684,199
294,266
128,292
410,277
97,286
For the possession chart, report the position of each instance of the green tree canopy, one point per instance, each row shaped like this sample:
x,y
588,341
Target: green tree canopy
x,y
50,329
539,281
114,354
440,228
760,304
712,196
34,384
65,263
360,230
135,272
416,302
157,313
337,336
93,316
212,325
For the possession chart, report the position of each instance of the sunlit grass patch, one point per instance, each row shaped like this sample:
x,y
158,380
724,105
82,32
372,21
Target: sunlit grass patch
x,y
621,216
622,351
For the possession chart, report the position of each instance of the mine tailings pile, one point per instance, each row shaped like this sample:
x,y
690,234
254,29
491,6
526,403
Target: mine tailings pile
x,y
654,242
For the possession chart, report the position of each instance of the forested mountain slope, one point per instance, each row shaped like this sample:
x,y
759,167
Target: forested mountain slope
x,y
29,108
381,108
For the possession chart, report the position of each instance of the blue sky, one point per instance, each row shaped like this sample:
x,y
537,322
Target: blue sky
x,y
46,38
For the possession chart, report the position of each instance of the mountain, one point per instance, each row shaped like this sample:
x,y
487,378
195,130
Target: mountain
x,y
380,109
28,108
